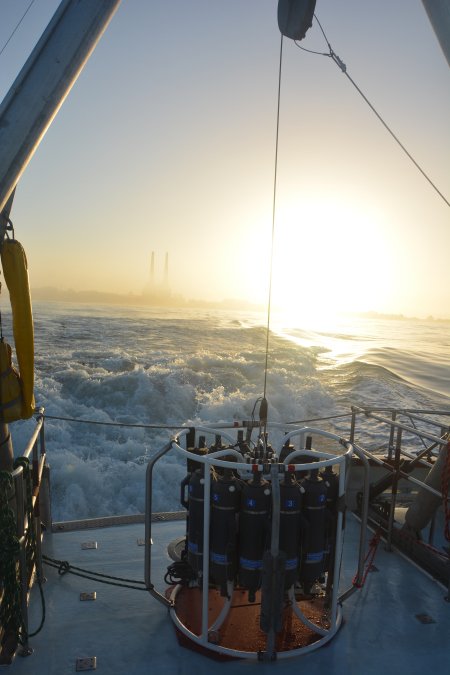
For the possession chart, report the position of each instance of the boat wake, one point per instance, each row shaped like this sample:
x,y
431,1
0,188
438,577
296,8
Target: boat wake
x,y
120,366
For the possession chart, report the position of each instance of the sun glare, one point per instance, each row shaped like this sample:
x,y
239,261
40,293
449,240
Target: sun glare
x,y
329,257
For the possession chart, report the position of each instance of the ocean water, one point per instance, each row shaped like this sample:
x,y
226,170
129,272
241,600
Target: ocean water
x,y
146,366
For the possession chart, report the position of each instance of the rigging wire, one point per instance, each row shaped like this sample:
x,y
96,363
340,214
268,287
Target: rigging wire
x,y
114,424
332,54
15,29
274,201
320,419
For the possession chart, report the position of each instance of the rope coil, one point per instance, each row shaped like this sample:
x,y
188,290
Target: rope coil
x,y
10,606
11,616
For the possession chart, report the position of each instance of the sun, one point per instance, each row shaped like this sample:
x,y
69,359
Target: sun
x,y
329,257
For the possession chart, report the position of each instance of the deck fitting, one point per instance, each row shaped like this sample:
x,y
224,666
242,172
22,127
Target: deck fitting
x,y
425,618
89,663
88,596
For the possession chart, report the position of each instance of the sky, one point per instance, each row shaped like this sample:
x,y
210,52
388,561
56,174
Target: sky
x,y
166,143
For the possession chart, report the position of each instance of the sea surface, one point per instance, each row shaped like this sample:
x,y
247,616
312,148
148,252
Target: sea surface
x,y
147,366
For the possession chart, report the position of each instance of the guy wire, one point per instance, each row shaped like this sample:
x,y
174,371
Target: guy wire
x,y
17,26
332,54
274,200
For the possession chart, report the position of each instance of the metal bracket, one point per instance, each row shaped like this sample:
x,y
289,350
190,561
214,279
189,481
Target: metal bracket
x,y
5,223
88,544
89,663
88,596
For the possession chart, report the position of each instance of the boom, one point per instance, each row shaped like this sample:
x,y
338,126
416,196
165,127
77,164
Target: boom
x,y
43,83
439,14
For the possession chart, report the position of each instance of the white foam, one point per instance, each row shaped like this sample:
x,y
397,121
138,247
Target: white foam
x,y
179,371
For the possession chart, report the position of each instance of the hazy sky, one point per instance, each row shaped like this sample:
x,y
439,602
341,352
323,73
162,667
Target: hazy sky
x,y
166,143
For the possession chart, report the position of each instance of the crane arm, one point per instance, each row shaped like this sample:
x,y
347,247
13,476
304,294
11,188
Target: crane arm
x,y
439,14
44,81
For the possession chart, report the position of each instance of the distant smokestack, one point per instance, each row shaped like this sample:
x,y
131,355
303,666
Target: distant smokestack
x,y
166,272
152,270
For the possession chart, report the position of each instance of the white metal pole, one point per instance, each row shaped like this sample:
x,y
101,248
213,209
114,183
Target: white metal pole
x,y
439,14
205,585
44,82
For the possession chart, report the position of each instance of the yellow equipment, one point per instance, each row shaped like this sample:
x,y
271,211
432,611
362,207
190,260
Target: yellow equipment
x,y
15,271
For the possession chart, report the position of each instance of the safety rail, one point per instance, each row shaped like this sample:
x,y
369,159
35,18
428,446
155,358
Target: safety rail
x,y
429,439
395,425
403,455
397,429
25,501
400,424
272,471
391,418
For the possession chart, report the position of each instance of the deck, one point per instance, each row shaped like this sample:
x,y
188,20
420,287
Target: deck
x,y
130,632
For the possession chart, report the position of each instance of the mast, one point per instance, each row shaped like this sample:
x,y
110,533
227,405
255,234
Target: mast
x,y
44,82
439,14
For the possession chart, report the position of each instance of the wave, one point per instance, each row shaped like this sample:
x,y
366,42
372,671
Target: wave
x,y
139,367
415,367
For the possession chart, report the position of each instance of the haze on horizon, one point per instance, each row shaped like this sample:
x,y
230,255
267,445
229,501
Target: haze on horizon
x,y
166,143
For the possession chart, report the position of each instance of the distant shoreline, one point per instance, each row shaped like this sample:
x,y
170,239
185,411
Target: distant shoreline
x,y
175,301
395,317
164,300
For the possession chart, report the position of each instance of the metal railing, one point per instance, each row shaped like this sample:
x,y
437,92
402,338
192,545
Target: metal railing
x,y
427,437
28,530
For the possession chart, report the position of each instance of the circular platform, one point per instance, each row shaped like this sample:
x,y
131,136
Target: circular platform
x,y
240,631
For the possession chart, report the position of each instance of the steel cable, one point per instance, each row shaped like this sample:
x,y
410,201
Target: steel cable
x,y
332,54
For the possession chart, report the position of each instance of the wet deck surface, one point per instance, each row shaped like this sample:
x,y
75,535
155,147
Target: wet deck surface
x,y
130,632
